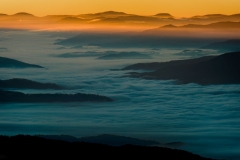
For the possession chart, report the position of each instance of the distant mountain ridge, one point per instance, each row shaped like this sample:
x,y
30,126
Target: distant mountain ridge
x,y
124,55
11,63
163,15
108,139
216,25
226,46
19,97
111,140
159,65
218,17
222,69
116,14
23,14
26,84
115,18
132,40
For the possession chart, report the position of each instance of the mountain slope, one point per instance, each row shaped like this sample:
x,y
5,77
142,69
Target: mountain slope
x,y
11,96
11,63
227,46
27,84
223,69
32,147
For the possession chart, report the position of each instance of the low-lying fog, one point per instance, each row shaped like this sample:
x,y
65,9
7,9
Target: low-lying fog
x,y
205,118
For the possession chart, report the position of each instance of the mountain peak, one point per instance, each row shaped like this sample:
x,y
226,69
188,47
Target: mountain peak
x,y
215,15
164,15
210,16
23,14
111,12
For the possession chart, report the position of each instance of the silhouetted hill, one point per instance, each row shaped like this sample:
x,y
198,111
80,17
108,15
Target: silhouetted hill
x,y
27,84
11,96
159,65
227,46
216,17
196,53
32,147
163,15
108,139
174,144
125,55
102,15
60,137
139,18
23,14
11,63
114,140
23,20
129,19
109,13
223,69
217,25
210,16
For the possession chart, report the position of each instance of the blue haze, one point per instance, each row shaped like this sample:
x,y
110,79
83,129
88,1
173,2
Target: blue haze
x,y
205,118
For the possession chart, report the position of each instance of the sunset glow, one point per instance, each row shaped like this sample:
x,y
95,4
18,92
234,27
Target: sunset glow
x,y
115,75
178,8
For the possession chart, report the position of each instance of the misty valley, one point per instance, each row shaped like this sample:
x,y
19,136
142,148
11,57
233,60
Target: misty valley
x,y
174,86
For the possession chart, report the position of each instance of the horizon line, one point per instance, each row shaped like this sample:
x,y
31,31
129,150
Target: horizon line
x,y
23,12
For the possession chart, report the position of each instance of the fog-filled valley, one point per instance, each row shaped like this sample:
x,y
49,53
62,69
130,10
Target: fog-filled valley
x,y
204,119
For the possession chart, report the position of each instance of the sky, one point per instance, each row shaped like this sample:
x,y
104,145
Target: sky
x,y
178,8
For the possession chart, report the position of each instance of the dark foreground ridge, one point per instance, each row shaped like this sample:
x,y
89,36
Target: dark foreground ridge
x,y
223,69
11,63
27,84
18,97
32,147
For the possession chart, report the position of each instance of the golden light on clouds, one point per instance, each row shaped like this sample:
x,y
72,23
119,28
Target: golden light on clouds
x,y
178,8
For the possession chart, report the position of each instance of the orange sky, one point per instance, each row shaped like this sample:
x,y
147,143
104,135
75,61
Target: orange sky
x,y
178,8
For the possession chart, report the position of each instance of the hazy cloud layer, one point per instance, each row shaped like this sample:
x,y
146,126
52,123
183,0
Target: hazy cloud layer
x,y
134,40
80,54
199,116
106,55
194,53
108,19
125,55
3,49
